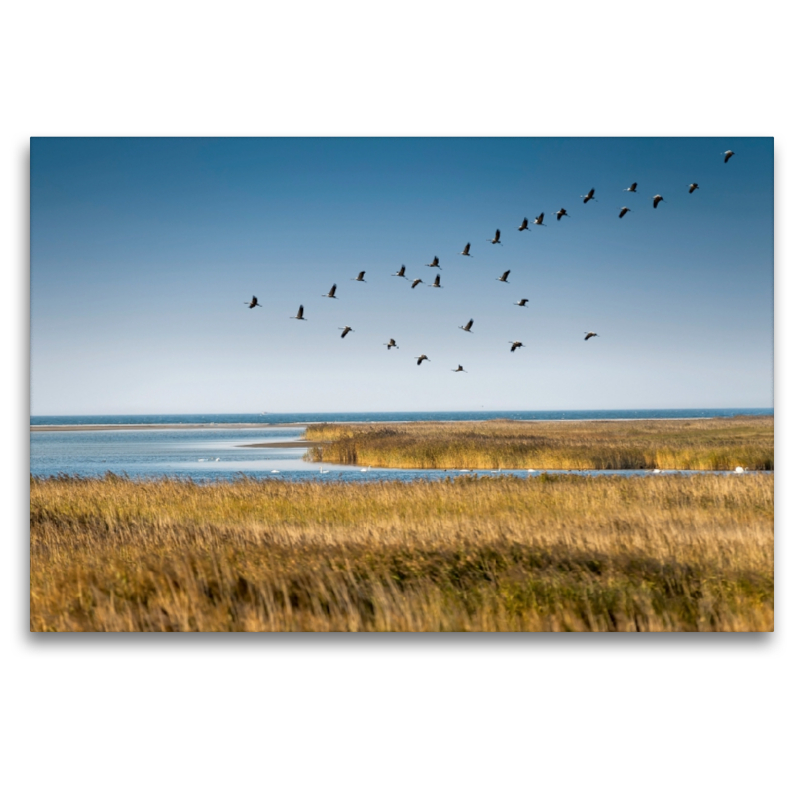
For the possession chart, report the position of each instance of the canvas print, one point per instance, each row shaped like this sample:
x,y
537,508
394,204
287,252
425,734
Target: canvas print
x,y
401,384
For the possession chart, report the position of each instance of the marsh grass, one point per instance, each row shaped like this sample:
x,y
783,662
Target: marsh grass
x,y
713,444
548,553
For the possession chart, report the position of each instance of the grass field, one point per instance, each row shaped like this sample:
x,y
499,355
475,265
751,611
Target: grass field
x,y
712,444
561,553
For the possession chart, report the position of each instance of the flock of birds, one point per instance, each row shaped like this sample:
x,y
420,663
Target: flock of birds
x,y
538,221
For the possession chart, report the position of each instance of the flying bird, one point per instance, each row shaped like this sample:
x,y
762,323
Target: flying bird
x,y
391,343
465,251
589,335
728,154
523,302
345,330
460,369
588,197
253,303
515,345
524,226
360,276
560,213
467,327
422,358
632,187
656,200
692,187
436,282
299,315
504,277
416,282
331,293
400,274
623,211
539,220
496,239
434,263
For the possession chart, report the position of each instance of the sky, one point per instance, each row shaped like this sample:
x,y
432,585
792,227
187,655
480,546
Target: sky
x,y
145,250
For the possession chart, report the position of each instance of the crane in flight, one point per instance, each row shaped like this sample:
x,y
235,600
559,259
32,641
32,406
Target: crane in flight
x,y
623,211
436,282
632,187
588,197
504,277
360,277
692,187
434,263
401,273
299,315
460,369
728,154
345,330
467,327
523,302
524,226
589,335
391,343
331,293
496,239
422,358
656,200
465,251
562,212
416,282
515,345
253,303
540,220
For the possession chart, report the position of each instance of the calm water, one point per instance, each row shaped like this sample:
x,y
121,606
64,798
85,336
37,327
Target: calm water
x,y
216,454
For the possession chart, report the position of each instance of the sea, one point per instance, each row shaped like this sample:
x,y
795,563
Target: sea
x,y
213,452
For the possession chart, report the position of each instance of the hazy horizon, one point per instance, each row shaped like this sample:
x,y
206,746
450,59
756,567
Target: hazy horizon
x,y
144,252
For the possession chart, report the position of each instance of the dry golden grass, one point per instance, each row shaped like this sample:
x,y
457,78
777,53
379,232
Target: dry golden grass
x,y
549,553
713,444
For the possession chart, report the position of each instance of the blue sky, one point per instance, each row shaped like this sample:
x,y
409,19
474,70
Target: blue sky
x,y
143,252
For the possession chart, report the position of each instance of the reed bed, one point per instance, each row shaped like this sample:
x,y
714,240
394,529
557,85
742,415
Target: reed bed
x,y
551,553
712,444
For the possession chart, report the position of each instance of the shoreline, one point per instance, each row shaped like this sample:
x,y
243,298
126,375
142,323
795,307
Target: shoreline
x,y
255,425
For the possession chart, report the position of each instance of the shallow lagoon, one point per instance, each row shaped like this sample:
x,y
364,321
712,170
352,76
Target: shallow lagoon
x,y
203,454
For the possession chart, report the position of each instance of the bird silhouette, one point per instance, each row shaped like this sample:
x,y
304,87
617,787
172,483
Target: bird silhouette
x,y
467,327
253,303
692,187
496,239
523,302
623,211
401,273
656,200
299,315
391,343
589,335
560,213
515,345
504,277
436,282
360,277
632,187
331,293
588,197
728,154
434,263
540,220
465,251
345,330
524,226
422,358
460,369
416,282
